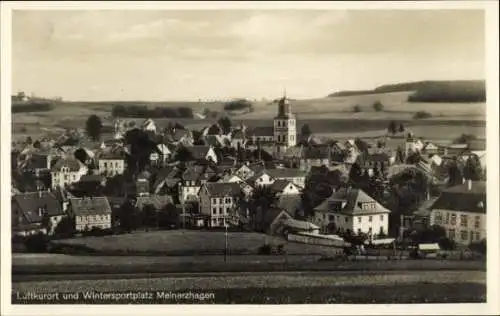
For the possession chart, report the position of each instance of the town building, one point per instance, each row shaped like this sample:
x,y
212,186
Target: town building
x,y
218,201
285,127
461,211
31,210
111,164
90,212
67,171
352,210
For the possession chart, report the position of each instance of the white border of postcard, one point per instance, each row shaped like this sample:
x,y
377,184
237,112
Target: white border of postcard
x,y
492,305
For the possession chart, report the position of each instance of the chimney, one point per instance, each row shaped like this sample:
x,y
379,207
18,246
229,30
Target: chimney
x,y
469,184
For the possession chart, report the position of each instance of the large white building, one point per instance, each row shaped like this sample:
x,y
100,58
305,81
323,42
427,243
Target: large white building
x,y
352,210
461,211
67,171
217,201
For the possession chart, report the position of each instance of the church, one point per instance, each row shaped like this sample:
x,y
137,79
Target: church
x,y
279,137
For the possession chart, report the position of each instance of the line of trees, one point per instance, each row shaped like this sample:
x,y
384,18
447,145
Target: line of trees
x,y
32,107
240,104
157,112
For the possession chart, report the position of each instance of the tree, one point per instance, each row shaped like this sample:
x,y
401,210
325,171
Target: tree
x,y
455,175
413,158
401,128
473,170
169,216
305,131
183,154
225,124
149,216
378,106
29,141
356,108
355,174
37,144
128,217
400,155
465,138
392,128
93,127
65,228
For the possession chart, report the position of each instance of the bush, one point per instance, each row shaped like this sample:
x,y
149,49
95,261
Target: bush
x,y
264,250
479,247
356,108
158,112
240,104
421,115
377,106
36,243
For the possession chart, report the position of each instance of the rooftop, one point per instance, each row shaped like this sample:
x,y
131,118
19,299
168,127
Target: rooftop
x,y
223,189
90,206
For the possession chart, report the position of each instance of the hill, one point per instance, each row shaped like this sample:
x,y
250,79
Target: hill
x,y
430,91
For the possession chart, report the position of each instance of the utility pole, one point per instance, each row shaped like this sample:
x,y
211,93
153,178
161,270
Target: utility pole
x,y
226,237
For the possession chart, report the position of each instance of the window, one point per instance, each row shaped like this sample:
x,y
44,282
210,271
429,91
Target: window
x,y
453,219
105,165
381,218
463,220
227,210
347,219
220,210
438,218
331,218
292,138
228,200
214,201
478,236
477,221
359,219
214,210
370,218
451,234
447,218
464,235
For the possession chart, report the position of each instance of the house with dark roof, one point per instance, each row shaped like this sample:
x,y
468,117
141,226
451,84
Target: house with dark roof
x,y
238,138
316,156
203,153
156,201
218,201
161,154
261,133
285,187
461,211
66,171
352,210
90,212
270,221
35,212
167,179
190,184
296,176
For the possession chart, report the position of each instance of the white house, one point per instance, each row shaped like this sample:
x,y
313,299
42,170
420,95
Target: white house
x,y
149,126
296,176
111,164
66,171
217,200
200,153
461,211
161,154
352,210
413,144
261,179
90,212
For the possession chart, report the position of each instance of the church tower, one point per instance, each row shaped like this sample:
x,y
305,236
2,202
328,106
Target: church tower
x,y
284,129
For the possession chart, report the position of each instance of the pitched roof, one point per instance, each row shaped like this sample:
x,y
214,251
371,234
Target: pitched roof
x,y
352,200
92,178
285,173
280,185
90,206
29,203
223,189
213,140
261,131
192,173
317,152
158,201
294,152
238,134
290,202
72,164
199,152
270,215
303,225
460,198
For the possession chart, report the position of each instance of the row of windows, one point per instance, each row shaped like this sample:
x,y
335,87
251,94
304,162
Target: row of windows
x,y
451,219
218,211
92,218
116,165
283,123
218,221
283,138
465,235
360,219
219,200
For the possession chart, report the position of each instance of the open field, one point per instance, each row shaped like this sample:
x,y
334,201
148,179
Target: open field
x,y
185,242
289,287
326,115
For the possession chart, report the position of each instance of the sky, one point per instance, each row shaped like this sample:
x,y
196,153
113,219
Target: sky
x,y
222,54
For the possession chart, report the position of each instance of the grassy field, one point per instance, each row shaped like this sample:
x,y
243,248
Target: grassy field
x,y
326,115
185,242
342,287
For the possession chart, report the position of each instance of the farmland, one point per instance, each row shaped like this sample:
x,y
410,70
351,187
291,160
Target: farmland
x,y
331,116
